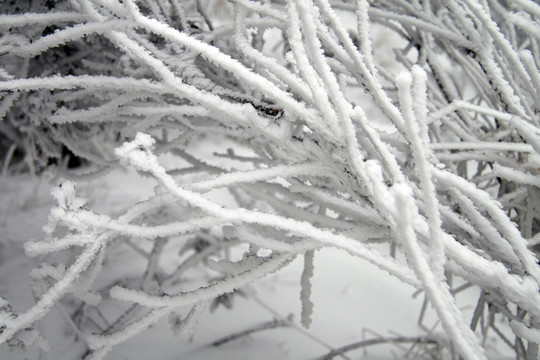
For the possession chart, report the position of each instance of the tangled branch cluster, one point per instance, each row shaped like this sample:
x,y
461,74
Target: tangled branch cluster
x,y
443,173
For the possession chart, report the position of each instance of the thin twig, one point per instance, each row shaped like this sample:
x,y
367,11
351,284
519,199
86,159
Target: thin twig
x,y
257,328
370,342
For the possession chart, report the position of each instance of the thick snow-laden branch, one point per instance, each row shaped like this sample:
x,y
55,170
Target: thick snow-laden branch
x,y
437,291
417,134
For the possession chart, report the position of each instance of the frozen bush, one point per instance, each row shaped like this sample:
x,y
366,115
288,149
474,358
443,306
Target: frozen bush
x,y
417,151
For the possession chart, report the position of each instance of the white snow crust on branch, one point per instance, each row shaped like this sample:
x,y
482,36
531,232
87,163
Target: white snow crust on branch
x,y
441,182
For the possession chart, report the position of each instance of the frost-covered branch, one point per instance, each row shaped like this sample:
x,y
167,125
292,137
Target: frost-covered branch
x,y
323,133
